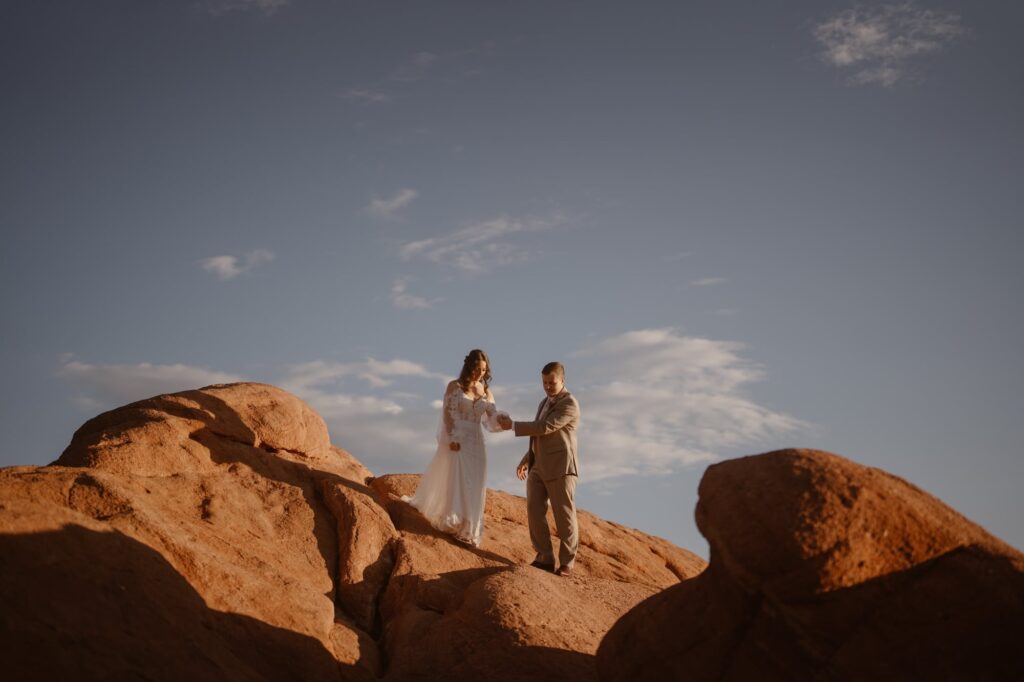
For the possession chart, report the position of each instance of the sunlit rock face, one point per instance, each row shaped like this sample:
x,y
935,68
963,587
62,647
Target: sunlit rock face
x,y
218,534
825,569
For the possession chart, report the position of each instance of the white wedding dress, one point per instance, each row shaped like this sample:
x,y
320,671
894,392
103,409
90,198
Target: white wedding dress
x,y
452,492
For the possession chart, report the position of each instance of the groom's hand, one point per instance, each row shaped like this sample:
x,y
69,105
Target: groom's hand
x,y
505,422
521,472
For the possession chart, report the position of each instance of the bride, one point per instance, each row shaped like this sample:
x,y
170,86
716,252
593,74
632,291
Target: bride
x,y
452,491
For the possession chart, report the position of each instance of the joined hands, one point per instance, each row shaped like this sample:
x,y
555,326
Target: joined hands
x,y
505,421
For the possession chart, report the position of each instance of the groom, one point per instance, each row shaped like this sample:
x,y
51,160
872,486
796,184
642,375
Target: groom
x,y
550,470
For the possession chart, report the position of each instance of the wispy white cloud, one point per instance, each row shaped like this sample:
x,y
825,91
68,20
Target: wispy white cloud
x,y
654,401
107,386
368,410
878,42
365,410
449,65
229,267
478,247
366,96
402,299
220,7
389,207
309,376
708,281
401,82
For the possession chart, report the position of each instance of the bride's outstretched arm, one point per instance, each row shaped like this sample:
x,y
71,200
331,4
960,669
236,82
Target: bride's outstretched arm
x,y
494,418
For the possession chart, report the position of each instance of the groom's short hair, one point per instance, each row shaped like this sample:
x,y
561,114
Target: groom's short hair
x,y
554,368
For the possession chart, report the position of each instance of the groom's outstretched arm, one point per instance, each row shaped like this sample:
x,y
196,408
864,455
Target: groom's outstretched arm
x,y
564,413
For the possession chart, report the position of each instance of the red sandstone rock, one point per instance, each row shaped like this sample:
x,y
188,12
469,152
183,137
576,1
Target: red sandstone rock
x,y
483,614
365,549
222,485
217,534
825,569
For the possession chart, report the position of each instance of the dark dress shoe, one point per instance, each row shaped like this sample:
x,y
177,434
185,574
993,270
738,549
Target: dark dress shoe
x,y
550,568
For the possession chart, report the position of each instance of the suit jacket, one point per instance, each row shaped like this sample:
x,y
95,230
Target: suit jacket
x,y
553,438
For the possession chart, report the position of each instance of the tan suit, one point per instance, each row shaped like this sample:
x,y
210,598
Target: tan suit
x,y
553,469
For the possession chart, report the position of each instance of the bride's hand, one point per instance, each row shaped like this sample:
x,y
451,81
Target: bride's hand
x,y
454,447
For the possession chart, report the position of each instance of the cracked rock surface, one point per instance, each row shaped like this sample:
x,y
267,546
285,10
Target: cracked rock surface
x,y
217,534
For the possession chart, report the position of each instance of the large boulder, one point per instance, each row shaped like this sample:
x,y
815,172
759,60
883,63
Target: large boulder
x,y
221,489
825,569
217,534
484,614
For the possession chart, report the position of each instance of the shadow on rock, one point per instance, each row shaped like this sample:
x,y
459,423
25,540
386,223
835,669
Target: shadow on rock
x,y
231,441
83,604
528,664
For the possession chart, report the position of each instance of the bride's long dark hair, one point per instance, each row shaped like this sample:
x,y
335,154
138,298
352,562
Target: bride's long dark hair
x,y
475,356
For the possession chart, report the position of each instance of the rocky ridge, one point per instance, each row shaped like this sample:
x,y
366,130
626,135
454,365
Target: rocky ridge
x,y
218,534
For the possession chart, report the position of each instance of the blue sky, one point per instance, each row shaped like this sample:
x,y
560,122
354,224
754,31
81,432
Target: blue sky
x,y
741,226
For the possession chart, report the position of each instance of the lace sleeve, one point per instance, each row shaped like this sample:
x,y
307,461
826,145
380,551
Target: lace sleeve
x,y
491,414
446,429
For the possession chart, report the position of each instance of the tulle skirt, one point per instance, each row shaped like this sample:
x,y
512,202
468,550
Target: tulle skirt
x,y
452,492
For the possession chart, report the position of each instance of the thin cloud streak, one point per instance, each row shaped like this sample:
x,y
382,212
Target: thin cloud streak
x,y
107,386
387,208
880,41
229,267
403,300
366,96
377,373
448,65
220,7
708,281
475,248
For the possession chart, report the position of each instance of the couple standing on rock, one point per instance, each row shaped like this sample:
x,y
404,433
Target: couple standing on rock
x,y
451,493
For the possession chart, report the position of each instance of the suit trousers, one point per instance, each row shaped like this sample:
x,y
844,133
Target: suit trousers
x,y
561,492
